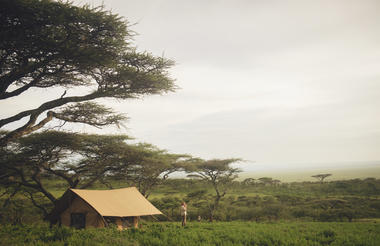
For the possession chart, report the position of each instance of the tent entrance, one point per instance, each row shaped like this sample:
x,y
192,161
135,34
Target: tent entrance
x,y
78,220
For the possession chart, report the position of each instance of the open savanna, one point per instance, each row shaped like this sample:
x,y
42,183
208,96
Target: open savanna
x,y
306,174
297,213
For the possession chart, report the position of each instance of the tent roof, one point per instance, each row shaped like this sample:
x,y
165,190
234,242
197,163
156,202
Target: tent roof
x,y
118,202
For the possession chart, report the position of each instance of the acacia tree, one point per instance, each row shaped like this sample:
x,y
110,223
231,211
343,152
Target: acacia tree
x,y
48,44
216,172
266,180
154,167
321,177
248,181
29,165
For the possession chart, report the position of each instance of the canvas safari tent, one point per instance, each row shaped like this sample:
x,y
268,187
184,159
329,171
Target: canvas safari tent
x,y
99,208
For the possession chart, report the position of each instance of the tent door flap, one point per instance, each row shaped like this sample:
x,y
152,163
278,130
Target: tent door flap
x,y
78,220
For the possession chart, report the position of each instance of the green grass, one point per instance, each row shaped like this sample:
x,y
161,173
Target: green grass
x,y
220,233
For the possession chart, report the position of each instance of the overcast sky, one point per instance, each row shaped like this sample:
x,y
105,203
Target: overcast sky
x,y
274,82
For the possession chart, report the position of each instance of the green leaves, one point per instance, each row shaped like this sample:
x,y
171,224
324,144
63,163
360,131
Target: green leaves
x,y
90,113
49,44
214,170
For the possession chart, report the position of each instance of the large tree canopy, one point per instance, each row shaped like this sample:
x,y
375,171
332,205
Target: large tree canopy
x,y
77,159
46,44
31,164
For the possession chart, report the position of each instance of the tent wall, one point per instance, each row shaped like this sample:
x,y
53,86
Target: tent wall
x,y
93,219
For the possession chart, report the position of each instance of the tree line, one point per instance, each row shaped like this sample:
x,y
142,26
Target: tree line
x,y
30,164
343,200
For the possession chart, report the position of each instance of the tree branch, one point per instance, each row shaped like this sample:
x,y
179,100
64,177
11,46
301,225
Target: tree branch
x,y
50,105
34,113
58,173
20,90
44,211
10,78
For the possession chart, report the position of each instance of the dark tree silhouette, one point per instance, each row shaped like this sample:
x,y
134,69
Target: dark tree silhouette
x,y
321,177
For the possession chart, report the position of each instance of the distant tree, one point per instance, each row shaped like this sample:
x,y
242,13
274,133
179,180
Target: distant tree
x,y
198,199
48,44
256,213
171,204
216,172
371,186
348,213
248,181
272,211
329,203
266,180
196,195
321,177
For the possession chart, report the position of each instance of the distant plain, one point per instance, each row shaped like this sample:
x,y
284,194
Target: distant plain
x,y
359,170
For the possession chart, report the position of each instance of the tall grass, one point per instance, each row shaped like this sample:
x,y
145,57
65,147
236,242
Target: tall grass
x,y
220,233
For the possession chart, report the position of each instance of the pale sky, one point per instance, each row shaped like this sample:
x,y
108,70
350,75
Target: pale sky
x,y
268,81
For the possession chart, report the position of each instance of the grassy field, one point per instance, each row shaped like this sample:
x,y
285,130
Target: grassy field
x,y
305,175
221,233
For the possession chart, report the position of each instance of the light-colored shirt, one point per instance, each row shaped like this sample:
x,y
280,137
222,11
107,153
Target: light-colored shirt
x,y
183,210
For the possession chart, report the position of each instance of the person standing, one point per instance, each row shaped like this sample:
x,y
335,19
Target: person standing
x,y
183,211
